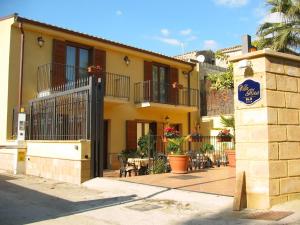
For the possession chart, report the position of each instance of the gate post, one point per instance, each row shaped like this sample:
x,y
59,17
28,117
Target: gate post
x,y
267,110
96,99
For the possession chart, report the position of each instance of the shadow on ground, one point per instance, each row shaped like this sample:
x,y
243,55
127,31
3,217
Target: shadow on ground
x,y
20,205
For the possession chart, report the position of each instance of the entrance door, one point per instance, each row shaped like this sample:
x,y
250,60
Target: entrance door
x,y
105,144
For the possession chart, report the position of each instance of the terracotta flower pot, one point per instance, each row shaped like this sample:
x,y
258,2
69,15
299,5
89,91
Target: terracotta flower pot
x,y
231,157
179,163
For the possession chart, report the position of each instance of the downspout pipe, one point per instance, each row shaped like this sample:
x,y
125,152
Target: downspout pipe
x,y
21,66
189,101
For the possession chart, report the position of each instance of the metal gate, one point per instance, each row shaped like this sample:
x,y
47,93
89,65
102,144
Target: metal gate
x,y
72,111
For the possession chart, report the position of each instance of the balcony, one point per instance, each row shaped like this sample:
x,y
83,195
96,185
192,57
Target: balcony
x,y
154,94
51,76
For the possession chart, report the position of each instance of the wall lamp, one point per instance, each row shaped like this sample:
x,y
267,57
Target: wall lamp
x,y
167,119
40,41
126,60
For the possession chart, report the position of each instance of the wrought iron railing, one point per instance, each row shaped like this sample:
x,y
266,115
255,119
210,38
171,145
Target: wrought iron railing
x,y
55,77
60,116
150,91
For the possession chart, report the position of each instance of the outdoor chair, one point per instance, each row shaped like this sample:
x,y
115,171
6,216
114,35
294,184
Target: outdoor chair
x,y
126,167
191,162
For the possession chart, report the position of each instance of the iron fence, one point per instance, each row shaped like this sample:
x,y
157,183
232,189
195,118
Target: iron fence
x,y
151,91
116,85
62,115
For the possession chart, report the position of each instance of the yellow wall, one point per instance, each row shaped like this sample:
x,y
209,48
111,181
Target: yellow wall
x,y
117,114
4,71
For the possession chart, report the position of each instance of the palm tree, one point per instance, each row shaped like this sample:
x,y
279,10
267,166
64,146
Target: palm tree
x,y
283,36
229,122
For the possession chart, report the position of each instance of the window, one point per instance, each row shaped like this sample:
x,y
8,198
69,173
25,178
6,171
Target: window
x,y
77,59
142,129
159,86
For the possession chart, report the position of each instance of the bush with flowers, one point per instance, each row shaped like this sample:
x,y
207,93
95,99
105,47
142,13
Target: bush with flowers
x,y
171,132
175,141
224,135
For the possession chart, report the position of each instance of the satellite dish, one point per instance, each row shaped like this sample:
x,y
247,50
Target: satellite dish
x,y
200,58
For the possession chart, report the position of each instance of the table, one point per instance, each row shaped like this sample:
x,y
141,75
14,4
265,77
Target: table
x,y
140,162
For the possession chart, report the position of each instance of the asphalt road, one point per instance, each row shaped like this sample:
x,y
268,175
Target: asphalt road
x,y
32,200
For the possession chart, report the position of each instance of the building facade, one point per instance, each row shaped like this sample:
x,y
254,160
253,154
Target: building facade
x,y
141,86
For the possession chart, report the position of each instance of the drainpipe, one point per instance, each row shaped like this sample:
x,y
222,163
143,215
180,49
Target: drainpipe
x,y
20,100
189,101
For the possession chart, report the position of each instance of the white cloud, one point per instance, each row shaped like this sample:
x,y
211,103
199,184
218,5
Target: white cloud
x,y
170,41
165,32
186,32
119,13
231,3
210,44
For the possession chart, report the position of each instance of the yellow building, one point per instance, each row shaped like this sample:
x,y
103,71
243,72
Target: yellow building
x,y
139,94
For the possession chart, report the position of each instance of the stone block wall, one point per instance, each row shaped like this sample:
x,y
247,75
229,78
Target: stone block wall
x,y
268,131
67,161
71,171
7,161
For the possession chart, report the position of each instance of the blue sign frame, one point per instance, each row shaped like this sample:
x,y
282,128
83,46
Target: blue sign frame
x,y
249,92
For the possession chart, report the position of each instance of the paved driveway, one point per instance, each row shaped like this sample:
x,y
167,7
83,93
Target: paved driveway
x,y
217,180
31,200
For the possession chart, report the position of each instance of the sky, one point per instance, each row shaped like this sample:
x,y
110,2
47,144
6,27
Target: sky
x,y
170,27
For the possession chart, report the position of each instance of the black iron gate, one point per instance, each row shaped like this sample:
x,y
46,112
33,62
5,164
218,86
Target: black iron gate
x,y
73,111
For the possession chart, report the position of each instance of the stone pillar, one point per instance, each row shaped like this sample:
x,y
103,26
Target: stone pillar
x,y
268,131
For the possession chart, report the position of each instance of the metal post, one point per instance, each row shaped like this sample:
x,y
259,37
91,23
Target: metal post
x,y
100,92
92,125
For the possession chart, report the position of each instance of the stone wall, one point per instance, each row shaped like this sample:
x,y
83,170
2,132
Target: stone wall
x,y
71,171
67,161
268,131
7,161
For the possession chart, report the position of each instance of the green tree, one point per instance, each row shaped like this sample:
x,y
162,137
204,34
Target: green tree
x,y
222,80
284,35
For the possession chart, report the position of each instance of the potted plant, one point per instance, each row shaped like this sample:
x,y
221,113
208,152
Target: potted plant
x,y
195,136
230,152
224,136
177,156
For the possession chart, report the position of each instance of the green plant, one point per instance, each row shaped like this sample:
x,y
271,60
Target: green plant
x,y
224,133
174,145
129,153
146,145
222,80
207,148
282,35
159,166
229,122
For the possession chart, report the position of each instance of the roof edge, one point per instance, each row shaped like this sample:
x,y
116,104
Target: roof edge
x,y
15,15
37,23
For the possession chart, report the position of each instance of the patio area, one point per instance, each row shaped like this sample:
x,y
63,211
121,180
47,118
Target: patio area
x,y
217,180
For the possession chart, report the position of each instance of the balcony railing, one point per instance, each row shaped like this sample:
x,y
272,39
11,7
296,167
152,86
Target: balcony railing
x,y
53,75
150,91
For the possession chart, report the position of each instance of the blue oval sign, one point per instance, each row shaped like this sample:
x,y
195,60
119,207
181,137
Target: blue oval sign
x,y
249,91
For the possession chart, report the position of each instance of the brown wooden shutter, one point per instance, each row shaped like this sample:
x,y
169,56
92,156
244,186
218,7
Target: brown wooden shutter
x,y
173,92
160,134
58,62
99,58
147,70
131,134
147,85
